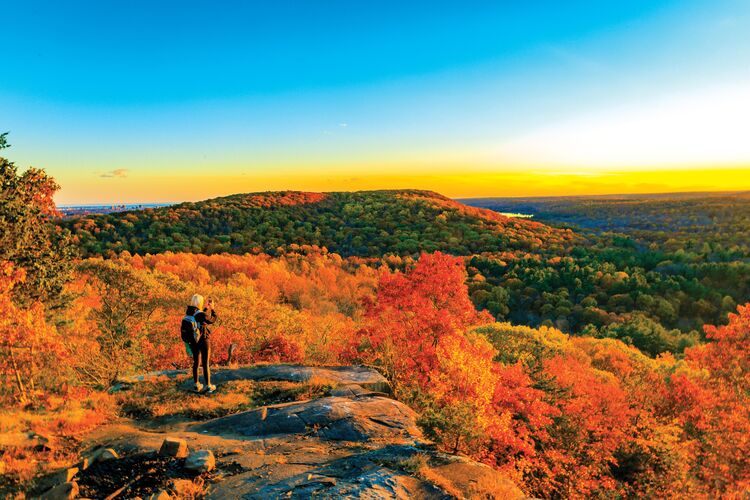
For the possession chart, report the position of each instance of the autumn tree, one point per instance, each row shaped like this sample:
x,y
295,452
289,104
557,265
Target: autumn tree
x,y
30,350
28,238
412,312
127,299
34,266
711,398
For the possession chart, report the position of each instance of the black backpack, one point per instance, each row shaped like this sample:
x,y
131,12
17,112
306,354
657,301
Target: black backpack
x,y
190,330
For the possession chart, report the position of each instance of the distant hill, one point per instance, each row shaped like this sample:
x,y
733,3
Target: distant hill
x,y
681,220
364,223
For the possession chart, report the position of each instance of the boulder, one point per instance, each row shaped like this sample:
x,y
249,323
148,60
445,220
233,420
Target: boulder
x,y
332,418
64,491
100,455
200,461
174,447
63,476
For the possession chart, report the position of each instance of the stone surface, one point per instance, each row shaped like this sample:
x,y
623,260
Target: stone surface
x,y
100,455
174,447
200,461
65,491
107,454
331,418
355,443
351,390
55,479
475,480
383,473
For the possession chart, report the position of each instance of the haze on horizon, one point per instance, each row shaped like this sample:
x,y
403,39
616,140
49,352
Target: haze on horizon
x,y
139,102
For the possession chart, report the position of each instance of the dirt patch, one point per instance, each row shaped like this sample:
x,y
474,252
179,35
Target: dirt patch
x,y
143,474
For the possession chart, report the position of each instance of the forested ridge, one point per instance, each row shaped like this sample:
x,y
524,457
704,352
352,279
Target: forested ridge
x,y
366,224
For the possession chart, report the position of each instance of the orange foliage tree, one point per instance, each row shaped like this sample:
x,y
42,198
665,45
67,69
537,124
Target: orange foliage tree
x,y
29,347
710,397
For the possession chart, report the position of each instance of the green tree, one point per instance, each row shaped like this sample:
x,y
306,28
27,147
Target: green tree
x,y
28,238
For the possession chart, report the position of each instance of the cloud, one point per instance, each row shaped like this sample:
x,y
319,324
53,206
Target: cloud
x,y
343,125
119,173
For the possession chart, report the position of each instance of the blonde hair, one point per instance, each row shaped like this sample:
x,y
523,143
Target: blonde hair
x,y
197,301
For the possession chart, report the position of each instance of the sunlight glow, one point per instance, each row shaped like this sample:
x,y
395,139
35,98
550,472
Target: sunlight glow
x,y
701,128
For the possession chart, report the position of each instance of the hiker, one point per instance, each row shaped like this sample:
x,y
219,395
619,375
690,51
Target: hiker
x,y
195,333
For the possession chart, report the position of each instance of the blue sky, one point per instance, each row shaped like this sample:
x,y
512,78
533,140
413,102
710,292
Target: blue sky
x,y
282,93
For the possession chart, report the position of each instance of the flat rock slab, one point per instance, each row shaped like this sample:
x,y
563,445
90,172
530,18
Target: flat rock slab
x,y
332,418
375,474
365,377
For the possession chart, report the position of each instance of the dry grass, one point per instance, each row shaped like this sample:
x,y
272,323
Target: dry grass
x,y
429,475
184,489
414,463
167,399
59,423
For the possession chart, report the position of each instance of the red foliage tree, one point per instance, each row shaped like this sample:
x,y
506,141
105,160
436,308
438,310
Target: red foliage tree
x,y
711,399
412,312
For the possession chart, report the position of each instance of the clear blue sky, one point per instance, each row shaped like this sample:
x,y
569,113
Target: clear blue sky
x,y
272,94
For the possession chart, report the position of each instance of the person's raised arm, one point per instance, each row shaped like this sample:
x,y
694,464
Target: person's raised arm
x,y
210,313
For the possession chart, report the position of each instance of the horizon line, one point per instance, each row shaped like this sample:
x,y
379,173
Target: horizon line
x,y
160,204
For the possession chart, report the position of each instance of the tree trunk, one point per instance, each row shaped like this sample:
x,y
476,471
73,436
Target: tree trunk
x,y
17,373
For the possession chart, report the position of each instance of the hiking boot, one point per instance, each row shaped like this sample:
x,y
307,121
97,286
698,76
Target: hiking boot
x,y
210,388
198,387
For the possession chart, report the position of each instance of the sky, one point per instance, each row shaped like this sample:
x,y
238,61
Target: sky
x,y
130,102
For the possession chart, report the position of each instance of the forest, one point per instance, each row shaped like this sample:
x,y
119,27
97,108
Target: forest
x,y
654,291
582,361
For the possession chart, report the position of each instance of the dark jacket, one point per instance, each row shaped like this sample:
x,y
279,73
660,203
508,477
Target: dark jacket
x,y
203,320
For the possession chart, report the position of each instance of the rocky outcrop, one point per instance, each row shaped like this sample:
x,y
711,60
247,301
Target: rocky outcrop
x,y
354,443
357,418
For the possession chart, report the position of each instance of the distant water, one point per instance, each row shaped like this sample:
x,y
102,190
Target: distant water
x,y
517,216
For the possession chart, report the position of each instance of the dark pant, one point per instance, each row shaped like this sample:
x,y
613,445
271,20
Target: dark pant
x,y
201,352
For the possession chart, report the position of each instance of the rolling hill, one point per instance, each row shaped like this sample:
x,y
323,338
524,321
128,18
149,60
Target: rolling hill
x,y
365,224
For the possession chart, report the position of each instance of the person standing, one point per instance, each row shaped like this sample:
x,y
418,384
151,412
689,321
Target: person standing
x,y
200,347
